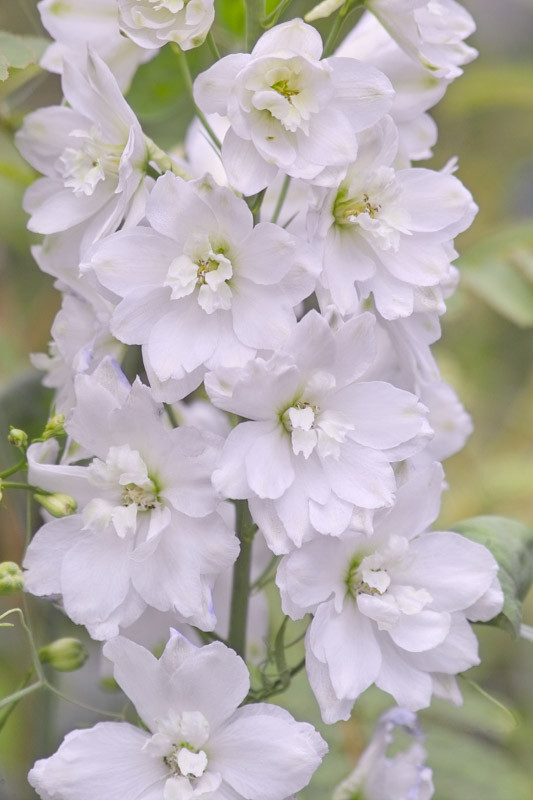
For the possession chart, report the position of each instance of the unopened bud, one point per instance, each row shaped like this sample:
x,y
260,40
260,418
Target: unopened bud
x,y
58,505
54,426
18,438
65,655
11,578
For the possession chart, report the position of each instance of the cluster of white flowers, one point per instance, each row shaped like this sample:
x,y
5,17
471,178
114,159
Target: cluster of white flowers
x,y
295,266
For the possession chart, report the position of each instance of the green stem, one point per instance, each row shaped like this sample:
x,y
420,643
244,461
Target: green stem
x,y
4,716
171,414
281,198
164,161
240,593
16,696
17,468
255,12
77,703
340,19
272,18
254,203
265,577
187,78
215,52
17,485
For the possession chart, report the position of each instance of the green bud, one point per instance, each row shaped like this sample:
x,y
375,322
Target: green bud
x,y
58,505
54,427
65,655
11,578
18,438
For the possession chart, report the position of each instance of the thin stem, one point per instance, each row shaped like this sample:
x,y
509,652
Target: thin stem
x,y
4,716
492,699
17,468
187,78
255,12
272,18
74,702
16,696
215,52
254,203
281,198
171,414
264,578
240,593
17,485
331,41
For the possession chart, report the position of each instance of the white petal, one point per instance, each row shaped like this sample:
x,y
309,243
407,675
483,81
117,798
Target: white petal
x,y
104,761
262,751
212,88
247,171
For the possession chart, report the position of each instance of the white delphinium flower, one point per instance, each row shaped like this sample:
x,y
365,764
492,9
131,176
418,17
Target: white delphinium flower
x,y
153,23
202,287
404,358
92,153
74,24
431,31
377,776
80,340
416,88
319,442
388,232
391,608
196,743
288,109
147,531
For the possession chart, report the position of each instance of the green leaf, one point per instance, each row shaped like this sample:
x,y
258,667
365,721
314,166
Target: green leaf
x,y
511,544
499,270
19,51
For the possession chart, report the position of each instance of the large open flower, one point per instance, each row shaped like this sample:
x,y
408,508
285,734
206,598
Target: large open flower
x,y
320,443
147,531
197,743
202,287
391,608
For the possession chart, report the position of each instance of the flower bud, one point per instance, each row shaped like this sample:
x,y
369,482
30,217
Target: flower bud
x,y
11,578
58,505
18,438
54,427
65,655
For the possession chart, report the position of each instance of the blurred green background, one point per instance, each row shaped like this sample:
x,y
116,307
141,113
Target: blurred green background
x,y
481,751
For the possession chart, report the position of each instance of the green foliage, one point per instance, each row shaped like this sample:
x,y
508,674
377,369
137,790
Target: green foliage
x,y
499,270
19,52
492,86
511,544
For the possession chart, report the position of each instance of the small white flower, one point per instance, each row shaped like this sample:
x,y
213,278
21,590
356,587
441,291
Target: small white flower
x,y
152,23
92,153
197,744
391,608
74,24
148,531
432,31
388,232
288,109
